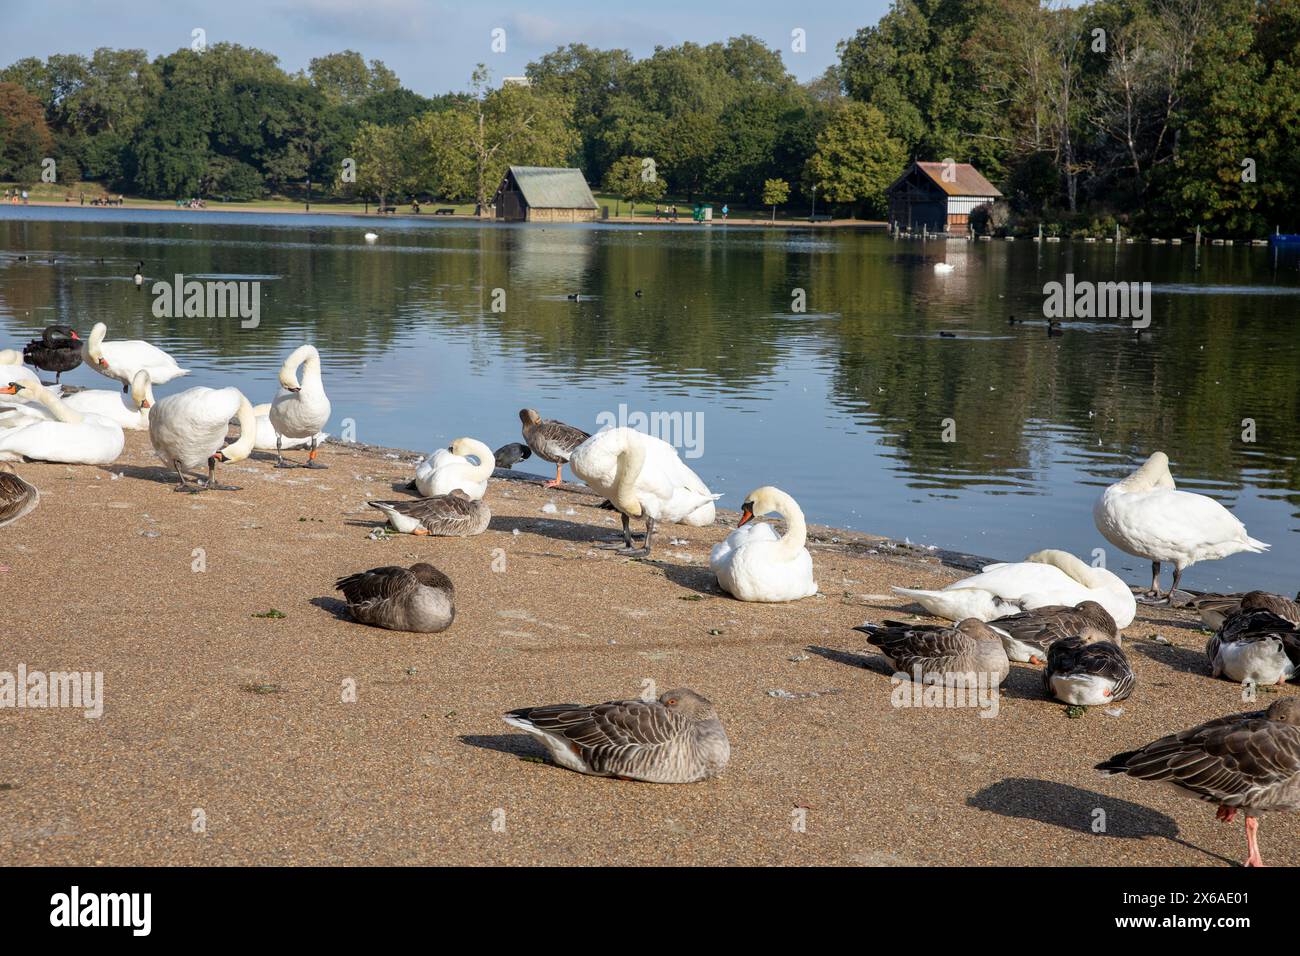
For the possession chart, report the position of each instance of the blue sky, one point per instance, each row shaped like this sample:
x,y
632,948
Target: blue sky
x,y
431,45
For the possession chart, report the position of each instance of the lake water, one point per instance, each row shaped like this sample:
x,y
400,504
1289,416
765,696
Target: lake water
x,y
843,405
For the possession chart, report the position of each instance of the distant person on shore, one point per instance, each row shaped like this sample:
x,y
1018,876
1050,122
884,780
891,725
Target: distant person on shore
x,y
24,197
83,198
673,212
725,210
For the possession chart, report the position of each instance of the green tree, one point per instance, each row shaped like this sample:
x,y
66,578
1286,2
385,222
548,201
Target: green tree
x,y
385,162
631,179
346,78
775,192
24,137
856,158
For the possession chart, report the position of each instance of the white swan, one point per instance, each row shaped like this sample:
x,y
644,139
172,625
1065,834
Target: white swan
x,y
753,564
1146,515
1043,578
299,411
943,268
70,437
448,469
188,430
126,412
643,478
266,436
12,368
121,360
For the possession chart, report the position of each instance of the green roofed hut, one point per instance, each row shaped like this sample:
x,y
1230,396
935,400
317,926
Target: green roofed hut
x,y
544,194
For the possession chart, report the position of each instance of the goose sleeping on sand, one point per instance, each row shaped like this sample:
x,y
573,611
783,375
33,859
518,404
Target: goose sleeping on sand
x,y
1214,609
1245,762
675,739
1255,644
420,599
450,469
188,430
643,478
1147,516
453,515
1028,635
68,436
1088,672
1044,578
552,441
953,655
300,410
17,497
121,360
754,563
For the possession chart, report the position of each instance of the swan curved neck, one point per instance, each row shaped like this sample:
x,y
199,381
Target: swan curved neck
x,y
1153,474
242,447
487,461
96,340
306,357
796,529
630,462
60,411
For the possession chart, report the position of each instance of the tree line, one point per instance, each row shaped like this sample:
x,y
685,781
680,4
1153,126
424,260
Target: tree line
x,y
1158,114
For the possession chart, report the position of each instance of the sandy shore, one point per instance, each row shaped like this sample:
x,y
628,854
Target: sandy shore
x,y
209,708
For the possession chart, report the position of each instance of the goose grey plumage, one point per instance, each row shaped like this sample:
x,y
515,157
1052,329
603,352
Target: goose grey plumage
x,y
949,651
453,515
552,441
1214,609
420,598
1255,644
1245,762
1087,671
1028,635
17,497
675,739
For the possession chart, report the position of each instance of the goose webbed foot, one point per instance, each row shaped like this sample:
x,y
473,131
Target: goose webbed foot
x,y
626,544
311,457
1154,596
633,552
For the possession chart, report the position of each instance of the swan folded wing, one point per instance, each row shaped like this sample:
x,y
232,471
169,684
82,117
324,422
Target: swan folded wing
x,y
1234,760
1013,582
606,732
1172,521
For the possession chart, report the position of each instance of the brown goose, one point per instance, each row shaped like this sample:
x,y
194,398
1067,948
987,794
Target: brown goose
x,y
951,650
552,441
1255,644
17,497
1217,608
1087,671
1245,762
675,739
453,515
420,599
1028,635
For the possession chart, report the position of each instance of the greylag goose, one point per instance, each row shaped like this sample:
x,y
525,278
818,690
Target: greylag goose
x,y
552,441
675,739
1256,645
1217,608
453,515
1027,635
1087,671
17,497
949,652
1146,515
1245,762
58,350
420,599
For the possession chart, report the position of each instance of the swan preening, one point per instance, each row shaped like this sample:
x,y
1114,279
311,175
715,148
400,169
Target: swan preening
x,y
1043,578
643,478
121,360
300,410
675,739
754,564
450,469
1145,515
188,430
420,598
66,436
